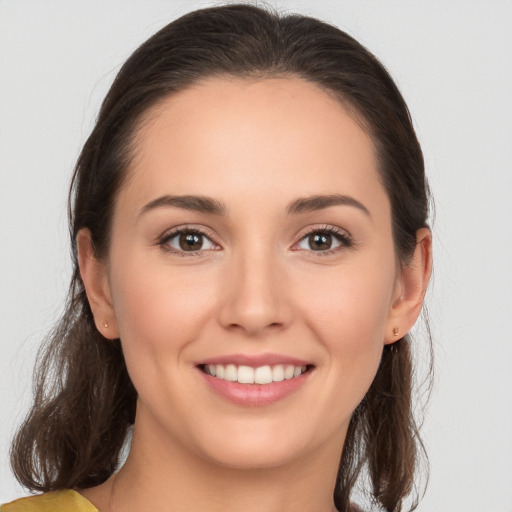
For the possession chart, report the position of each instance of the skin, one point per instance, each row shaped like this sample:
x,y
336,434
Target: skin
x,y
258,286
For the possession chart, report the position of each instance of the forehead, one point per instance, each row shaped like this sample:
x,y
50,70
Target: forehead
x,y
242,139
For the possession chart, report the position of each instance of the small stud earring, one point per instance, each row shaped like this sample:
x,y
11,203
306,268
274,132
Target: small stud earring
x,y
105,325
395,331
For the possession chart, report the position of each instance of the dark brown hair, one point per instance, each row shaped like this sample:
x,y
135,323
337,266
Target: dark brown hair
x,y
84,398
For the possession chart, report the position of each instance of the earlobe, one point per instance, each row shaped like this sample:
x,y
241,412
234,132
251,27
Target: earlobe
x,y
411,289
94,277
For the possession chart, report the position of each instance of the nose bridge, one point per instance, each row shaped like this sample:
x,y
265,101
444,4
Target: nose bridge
x,y
255,288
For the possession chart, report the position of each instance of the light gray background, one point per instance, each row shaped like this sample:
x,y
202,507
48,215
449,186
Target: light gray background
x,y
453,63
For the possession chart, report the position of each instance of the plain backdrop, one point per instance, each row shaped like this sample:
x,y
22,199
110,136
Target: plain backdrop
x,y
453,62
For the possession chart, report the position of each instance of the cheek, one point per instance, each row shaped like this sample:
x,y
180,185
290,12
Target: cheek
x,y
350,303
348,315
159,310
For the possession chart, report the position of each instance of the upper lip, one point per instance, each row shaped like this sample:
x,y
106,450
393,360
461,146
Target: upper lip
x,y
255,360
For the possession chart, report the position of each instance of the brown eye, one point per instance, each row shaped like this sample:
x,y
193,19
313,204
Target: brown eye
x,y
320,241
190,241
187,241
325,241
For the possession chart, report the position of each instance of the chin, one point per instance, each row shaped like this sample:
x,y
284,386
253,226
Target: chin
x,y
258,447
252,456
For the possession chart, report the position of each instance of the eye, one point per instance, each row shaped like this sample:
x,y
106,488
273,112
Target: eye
x,y
187,240
325,240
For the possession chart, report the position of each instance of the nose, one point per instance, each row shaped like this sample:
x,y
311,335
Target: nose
x,y
255,294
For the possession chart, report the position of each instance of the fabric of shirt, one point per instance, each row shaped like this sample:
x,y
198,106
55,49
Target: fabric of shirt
x,y
65,501
58,501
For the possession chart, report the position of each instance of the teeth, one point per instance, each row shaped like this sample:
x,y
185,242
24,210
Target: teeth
x,y
248,375
231,373
288,372
263,375
278,373
245,375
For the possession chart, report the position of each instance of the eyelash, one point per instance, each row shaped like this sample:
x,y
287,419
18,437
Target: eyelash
x,y
343,237
345,240
164,241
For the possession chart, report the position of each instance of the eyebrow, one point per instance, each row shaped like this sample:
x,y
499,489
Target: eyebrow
x,y
319,202
209,205
201,204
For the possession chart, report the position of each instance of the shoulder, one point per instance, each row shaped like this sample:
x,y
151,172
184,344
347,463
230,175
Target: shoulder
x,y
58,501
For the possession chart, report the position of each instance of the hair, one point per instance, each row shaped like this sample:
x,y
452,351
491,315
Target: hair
x,y
84,401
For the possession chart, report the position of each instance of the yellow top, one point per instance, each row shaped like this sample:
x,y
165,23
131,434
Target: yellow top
x,y
58,501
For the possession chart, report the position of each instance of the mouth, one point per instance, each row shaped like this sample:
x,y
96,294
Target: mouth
x,y
255,380
261,375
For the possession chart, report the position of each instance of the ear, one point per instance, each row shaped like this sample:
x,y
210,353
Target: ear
x,y
410,289
97,287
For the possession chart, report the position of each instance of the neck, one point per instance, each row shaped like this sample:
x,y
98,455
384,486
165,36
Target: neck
x,y
169,478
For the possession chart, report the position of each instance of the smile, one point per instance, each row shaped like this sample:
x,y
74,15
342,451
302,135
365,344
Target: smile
x,y
255,380
248,375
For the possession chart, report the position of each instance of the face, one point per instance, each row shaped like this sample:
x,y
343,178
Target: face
x,y
279,272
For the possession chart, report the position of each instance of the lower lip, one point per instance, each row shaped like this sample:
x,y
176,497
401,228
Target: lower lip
x,y
255,395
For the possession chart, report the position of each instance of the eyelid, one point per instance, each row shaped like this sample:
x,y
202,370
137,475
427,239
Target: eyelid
x,y
163,239
343,236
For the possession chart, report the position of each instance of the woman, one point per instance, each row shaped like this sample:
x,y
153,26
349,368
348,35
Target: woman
x,y
251,248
